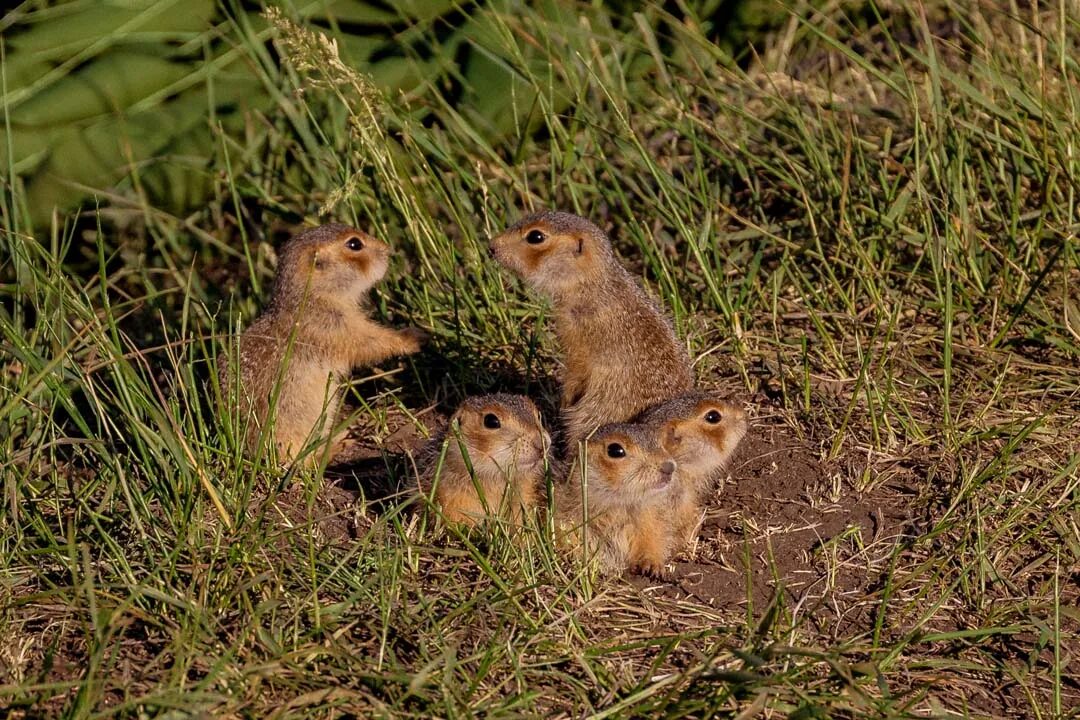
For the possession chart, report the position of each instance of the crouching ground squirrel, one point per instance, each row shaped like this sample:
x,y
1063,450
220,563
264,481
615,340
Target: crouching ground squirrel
x,y
494,463
622,355
315,330
624,501
701,432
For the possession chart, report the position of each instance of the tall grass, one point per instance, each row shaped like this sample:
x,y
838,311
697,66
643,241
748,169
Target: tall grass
x,y
869,231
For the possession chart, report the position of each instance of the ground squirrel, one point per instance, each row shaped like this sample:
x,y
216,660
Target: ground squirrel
x,y
312,334
505,444
701,432
630,490
622,355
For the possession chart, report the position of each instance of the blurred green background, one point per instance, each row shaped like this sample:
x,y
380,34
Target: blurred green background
x,y
103,96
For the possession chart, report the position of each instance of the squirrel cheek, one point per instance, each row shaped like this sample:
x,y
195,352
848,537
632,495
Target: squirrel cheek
x,y
532,259
372,268
610,470
482,446
718,436
361,262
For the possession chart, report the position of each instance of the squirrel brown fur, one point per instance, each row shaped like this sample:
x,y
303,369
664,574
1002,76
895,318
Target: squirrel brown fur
x,y
621,352
312,334
622,500
494,460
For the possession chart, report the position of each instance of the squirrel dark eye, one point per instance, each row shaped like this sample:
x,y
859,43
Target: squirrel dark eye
x,y
535,237
355,244
712,417
615,450
491,421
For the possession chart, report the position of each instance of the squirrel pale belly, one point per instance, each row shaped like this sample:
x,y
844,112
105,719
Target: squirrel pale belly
x,y
493,463
314,332
621,352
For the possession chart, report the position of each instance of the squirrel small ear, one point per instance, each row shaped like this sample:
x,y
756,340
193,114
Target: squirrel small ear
x,y
580,245
305,256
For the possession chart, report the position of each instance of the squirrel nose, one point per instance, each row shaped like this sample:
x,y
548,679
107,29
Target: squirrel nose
x,y
667,467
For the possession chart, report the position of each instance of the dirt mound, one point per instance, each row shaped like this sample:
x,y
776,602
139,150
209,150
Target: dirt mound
x,y
785,521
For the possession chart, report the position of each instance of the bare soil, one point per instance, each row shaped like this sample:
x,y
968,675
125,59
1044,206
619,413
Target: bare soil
x,y
787,526
782,526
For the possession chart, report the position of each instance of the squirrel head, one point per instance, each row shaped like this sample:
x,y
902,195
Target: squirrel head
x,y
331,263
699,430
501,433
554,252
624,464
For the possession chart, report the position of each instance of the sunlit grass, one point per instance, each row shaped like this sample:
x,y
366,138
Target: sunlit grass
x,y
870,233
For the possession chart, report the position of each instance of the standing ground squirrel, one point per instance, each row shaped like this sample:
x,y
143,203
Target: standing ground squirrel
x,y
701,432
312,334
505,444
622,355
629,492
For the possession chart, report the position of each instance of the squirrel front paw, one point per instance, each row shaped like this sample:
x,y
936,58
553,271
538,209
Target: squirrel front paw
x,y
650,568
414,338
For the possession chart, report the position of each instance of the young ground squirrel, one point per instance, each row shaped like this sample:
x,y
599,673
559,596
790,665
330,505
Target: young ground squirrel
x,y
622,355
629,491
314,332
504,443
701,432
